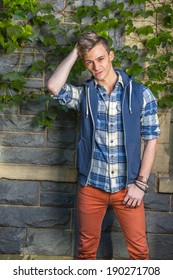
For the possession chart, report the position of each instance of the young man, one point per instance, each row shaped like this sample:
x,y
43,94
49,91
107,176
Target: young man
x,y
116,112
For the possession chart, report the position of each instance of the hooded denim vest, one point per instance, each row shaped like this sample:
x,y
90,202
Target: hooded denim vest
x,y
131,113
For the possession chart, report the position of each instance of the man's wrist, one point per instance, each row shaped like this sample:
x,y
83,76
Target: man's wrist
x,y
141,186
142,179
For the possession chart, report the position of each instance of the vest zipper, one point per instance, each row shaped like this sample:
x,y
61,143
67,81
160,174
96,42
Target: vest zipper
x,y
93,136
125,90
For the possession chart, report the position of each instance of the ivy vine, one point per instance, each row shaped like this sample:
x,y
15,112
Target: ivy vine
x,y
140,33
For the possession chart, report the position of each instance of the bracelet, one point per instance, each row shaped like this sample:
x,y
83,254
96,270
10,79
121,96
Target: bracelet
x,y
141,188
142,179
142,184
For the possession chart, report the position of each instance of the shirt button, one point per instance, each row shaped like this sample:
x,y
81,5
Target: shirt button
x,y
112,172
112,141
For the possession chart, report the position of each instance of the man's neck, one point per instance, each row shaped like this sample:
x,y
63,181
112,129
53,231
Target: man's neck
x,y
109,83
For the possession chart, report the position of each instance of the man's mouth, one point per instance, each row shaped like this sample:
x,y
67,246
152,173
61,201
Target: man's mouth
x,y
98,73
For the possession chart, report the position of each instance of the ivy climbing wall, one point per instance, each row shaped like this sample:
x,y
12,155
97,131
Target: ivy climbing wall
x,y
38,137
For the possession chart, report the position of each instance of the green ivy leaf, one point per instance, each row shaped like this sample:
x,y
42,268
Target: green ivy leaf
x,y
36,68
16,80
145,30
27,31
156,72
152,42
11,76
50,40
19,15
166,101
1,40
14,32
45,119
134,70
6,2
10,47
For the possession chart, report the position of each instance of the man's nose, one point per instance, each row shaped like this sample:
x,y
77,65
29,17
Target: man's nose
x,y
95,65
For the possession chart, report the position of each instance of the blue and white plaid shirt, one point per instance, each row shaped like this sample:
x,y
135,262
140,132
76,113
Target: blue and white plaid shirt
x,y
108,168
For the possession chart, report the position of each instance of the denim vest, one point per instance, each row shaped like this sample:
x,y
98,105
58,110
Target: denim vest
x,y
131,112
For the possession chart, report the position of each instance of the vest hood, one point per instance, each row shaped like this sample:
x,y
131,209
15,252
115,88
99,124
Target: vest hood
x,y
127,81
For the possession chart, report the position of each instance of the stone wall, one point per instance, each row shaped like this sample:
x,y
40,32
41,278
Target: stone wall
x,y
38,221
38,185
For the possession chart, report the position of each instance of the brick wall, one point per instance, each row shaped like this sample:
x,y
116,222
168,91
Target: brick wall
x,y
38,185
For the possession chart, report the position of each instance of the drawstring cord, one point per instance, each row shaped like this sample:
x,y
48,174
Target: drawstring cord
x,y
87,98
130,98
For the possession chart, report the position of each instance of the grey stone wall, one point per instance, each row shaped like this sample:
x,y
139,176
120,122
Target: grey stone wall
x,y
38,217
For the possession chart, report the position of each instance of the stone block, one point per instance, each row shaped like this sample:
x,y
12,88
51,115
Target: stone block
x,y
8,110
171,203
74,219
162,159
165,185
32,107
57,199
160,246
58,187
112,246
7,61
38,172
58,5
48,242
164,121
159,222
39,155
22,139
36,217
34,83
152,180
78,3
12,240
110,222
155,201
16,123
65,119
19,192
62,137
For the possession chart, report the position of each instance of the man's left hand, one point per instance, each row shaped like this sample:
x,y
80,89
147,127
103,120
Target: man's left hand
x,y
133,197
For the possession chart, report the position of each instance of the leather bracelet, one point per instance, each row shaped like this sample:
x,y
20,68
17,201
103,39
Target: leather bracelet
x,y
144,190
141,183
142,179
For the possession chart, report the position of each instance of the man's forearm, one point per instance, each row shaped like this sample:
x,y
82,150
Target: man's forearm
x,y
59,77
148,157
135,194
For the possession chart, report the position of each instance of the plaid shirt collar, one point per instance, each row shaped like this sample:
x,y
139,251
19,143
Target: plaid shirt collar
x,y
120,80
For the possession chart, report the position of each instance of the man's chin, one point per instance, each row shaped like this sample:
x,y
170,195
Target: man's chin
x,y
99,77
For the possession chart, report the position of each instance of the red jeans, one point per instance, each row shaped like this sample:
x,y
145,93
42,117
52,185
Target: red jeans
x,y
92,206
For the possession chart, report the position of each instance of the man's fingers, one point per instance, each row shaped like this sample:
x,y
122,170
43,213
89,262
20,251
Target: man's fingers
x,y
131,202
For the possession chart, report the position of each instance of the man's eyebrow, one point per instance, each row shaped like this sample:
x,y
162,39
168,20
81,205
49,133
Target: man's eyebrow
x,y
102,56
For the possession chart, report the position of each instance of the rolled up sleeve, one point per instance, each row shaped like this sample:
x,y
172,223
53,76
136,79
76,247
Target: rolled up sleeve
x,y
150,128
69,96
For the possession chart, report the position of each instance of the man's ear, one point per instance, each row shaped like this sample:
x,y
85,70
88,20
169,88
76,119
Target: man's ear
x,y
111,55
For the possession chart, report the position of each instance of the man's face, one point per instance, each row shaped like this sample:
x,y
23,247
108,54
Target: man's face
x,y
99,62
